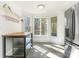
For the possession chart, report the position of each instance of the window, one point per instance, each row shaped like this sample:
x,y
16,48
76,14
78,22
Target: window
x,y
43,26
53,26
37,26
40,26
26,24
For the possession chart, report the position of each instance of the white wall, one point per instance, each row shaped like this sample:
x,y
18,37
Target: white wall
x,y
60,28
74,53
7,26
59,39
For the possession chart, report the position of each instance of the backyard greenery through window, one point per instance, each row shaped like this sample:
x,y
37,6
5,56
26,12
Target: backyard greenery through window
x,y
27,24
37,26
53,26
40,26
43,26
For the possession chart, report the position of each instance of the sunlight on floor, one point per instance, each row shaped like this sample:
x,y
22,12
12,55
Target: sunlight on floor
x,y
58,49
40,49
51,55
59,46
47,50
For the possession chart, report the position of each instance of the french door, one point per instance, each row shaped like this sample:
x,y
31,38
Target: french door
x,y
40,26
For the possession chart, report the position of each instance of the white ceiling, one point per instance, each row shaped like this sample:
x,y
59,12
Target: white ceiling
x,y
31,6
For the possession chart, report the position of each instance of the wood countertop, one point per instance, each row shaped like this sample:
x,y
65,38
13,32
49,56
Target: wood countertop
x,y
17,34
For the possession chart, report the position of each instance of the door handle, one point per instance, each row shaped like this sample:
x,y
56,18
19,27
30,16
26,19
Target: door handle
x,y
73,24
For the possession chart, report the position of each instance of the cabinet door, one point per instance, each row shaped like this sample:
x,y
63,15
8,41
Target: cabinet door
x,y
67,51
68,15
69,25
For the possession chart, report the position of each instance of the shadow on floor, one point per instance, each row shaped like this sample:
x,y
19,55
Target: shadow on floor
x,y
45,51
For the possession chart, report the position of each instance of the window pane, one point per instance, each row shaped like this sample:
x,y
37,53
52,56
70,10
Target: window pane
x,y
43,26
27,24
53,26
37,26
54,19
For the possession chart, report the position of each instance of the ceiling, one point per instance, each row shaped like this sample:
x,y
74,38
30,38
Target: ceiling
x,y
31,6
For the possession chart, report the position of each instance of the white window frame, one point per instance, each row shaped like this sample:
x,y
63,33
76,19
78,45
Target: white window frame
x,y
50,27
40,26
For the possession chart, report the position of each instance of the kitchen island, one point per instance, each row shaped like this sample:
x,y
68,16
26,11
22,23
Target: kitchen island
x,y
18,42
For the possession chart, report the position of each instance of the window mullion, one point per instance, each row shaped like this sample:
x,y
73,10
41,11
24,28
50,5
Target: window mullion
x,y
40,26
33,26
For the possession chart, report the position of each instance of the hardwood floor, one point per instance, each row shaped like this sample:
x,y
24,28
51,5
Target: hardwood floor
x,y
46,50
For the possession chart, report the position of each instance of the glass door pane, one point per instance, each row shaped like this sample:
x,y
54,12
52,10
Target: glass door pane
x,y
53,26
27,24
37,26
9,46
43,26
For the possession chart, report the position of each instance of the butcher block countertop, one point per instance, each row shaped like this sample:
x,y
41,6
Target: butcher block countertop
x,y
17,34
13,36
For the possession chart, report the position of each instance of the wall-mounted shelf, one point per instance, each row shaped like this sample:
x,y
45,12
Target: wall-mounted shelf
x,y
6,11
11,17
